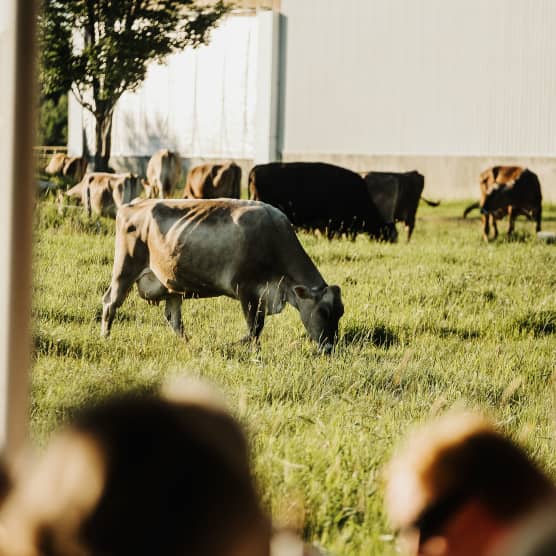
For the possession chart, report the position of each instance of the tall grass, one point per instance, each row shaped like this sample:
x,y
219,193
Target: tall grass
x,y
445,320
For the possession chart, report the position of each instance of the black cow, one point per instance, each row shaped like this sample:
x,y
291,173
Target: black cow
x,y
397,196
319,196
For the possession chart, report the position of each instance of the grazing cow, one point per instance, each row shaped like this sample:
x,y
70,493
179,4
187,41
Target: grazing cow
x,y
493,177
163,174
73,167
103,193
520,197
319,196
245,250
397,195
211,181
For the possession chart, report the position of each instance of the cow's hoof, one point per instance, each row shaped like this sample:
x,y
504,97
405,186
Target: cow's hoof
x,y
249,341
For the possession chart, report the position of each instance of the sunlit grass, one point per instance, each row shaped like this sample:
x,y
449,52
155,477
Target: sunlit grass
x,y
444,320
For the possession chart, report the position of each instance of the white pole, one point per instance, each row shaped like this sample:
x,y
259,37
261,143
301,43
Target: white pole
x,y
266,115
17,110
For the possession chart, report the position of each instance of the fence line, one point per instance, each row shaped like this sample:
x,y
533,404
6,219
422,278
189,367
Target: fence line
x,y
43,153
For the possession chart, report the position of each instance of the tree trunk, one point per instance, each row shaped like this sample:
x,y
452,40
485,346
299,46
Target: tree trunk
x,y
103,134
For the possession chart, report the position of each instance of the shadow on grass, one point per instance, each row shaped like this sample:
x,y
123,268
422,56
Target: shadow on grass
x,y
451,331
378,336
462,333
58,316
538,323
241,351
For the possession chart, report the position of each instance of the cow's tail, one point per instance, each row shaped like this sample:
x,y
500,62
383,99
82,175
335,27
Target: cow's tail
x,y
471,207
430,203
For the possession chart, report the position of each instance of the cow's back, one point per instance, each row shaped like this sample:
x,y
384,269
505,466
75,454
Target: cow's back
x,y
170,172
498,175
383,189
526,191
164,171
75,168
210,245
226,182
411,188
199,179
103,193
56,164
317,196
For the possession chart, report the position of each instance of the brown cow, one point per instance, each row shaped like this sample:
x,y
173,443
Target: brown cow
x,y
103,193
73,167
163,174
493,177
520,197
211,181
190,248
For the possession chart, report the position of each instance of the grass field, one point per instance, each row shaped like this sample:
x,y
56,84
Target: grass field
x,y
446,320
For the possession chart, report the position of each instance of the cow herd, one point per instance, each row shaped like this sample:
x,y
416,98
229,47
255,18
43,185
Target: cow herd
x,y
211,243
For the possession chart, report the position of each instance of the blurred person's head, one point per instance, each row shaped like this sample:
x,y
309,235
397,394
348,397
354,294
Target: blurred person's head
x,y
139,474
535,536
458,487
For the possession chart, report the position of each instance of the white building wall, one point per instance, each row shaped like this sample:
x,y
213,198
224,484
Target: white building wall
x,y
420,77
200,104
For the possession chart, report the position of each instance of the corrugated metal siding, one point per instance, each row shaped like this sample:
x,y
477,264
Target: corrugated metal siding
x,y
462,77
200,104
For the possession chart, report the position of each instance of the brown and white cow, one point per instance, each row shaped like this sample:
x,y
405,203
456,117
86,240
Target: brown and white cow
x,y
163,174
523,196
245,250
212,181
103,193
397,196
73,167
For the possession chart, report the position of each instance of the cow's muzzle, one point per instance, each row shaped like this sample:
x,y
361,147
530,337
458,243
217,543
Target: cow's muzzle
x,y
326,348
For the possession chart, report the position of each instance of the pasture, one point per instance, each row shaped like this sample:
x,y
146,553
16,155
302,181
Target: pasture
x,y
445,320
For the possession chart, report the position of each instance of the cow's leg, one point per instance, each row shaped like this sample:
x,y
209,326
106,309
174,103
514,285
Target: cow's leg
x,y
494,226
410,225
537,215
511,217
172,312
486,226
113,298
254,313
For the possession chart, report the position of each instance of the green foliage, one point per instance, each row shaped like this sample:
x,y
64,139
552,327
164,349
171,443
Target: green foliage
x,y
102,48
118,41
53,121
445,320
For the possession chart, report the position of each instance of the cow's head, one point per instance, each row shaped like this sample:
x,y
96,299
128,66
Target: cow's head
x,y
497,198
320,310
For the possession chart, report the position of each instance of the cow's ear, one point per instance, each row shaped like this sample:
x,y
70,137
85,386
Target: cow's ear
x,y
302,292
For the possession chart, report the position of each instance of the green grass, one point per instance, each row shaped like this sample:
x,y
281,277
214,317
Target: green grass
x,y
445,320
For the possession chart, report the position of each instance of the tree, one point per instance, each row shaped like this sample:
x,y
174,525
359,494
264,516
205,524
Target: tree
x,y
101,48
53,121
